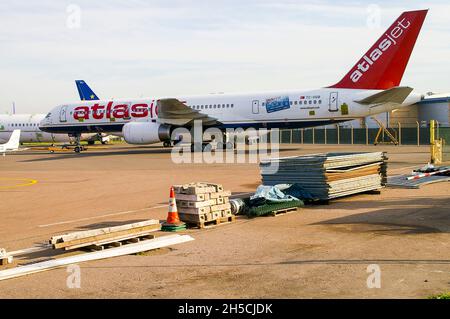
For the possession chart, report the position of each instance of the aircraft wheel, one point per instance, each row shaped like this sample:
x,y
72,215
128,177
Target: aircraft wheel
x,y
77,149
167,144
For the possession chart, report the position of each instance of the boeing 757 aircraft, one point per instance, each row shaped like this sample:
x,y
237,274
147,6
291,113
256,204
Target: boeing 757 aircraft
x,y
371,86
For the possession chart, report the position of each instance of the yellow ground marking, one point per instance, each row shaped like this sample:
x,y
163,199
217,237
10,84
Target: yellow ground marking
x,y
23,182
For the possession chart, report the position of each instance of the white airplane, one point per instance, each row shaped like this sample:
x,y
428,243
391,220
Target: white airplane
x,y
13,143
28,124
370,87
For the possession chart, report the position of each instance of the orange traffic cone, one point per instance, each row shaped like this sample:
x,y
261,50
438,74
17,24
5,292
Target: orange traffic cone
x,y
173,222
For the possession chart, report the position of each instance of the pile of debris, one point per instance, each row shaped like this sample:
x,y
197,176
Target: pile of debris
x,y
103,243
425,175
203,204
328,175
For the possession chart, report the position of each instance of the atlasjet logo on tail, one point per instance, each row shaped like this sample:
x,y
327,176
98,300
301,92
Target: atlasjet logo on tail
x,y
367,61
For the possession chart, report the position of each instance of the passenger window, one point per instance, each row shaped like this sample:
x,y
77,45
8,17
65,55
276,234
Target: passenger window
x,y
295,102
315,102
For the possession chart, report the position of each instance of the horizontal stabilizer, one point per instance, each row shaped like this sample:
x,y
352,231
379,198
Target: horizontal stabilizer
x,y
174,112
394,95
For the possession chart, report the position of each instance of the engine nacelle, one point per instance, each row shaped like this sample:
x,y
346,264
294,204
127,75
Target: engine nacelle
x,y
145,132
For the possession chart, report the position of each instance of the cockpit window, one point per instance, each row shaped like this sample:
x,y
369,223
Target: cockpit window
x,y
48,115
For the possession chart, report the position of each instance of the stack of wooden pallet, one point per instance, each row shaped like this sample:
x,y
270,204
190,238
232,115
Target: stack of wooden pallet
x,y
98,239
203,204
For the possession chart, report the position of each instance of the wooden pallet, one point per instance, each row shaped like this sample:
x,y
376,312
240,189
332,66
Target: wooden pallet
x,y
282,211
212,223
104,235
118,243
5,258
198,218
5,261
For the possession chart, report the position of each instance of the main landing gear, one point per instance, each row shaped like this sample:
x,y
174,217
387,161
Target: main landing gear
x,y
78,147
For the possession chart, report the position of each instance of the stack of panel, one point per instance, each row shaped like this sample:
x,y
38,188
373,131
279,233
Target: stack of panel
x,y
328,175
200,203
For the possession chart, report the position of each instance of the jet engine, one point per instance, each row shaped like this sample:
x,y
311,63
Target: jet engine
x,y
145,132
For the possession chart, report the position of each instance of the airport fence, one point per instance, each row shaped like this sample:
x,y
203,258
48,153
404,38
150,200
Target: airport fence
x,y
444,134
361,136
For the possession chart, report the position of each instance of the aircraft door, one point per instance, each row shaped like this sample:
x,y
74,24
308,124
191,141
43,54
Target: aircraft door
x,y
255,107
63,114
333,102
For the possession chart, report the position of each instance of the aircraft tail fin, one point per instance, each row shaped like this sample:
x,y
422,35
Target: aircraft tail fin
x,y
382,67
14,141
85,92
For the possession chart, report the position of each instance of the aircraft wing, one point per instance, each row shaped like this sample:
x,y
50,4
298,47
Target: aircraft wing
x,y
396,94
174,112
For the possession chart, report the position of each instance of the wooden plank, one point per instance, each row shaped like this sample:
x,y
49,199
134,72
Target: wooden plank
x,y
77,245
213,223
101,231
146,245
282,211
114,235
3,253
30,250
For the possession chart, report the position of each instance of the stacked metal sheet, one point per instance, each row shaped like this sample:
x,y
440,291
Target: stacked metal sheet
x,y
328,175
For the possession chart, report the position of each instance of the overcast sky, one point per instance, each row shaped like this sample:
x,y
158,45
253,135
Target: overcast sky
x,y
138,48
